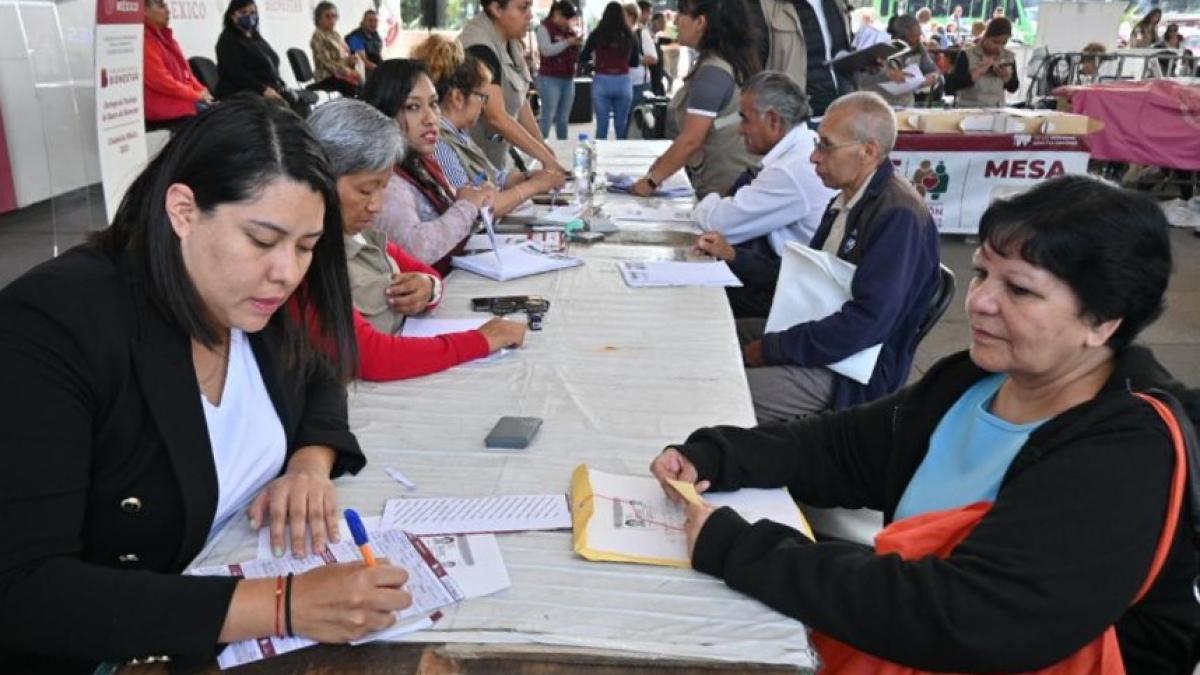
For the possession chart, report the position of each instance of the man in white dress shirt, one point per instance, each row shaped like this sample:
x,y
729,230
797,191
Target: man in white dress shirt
x,y
782,202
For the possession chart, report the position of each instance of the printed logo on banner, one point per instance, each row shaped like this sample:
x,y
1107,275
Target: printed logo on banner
x,y
930,181
296,6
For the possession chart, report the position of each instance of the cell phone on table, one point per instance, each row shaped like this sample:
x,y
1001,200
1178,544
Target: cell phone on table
x,y
513,433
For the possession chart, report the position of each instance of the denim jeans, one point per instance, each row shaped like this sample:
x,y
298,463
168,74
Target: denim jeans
x,y
557,94
612,94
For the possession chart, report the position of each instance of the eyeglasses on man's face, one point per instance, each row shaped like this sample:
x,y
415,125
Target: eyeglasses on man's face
x,y
825,147
483,96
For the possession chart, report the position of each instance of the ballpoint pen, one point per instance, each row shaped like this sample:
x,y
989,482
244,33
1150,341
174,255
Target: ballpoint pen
x,y
359,532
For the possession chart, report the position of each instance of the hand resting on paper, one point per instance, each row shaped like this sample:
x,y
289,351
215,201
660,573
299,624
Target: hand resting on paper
x,y
302,500
501,334
340,603
672,465
716,245
410,292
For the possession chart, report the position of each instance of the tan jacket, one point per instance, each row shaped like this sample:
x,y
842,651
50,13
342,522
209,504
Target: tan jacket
x,y
515,82
371,269
786,48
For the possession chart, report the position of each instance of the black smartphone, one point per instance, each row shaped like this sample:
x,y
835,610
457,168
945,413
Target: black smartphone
x,y
513,433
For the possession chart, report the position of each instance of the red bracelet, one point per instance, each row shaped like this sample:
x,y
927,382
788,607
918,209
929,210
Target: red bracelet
x,y
279,606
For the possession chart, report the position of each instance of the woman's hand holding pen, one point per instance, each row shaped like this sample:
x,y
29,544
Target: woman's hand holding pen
x,y
343,602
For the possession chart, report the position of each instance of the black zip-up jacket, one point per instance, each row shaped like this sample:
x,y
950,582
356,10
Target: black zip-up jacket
x,y
1060,556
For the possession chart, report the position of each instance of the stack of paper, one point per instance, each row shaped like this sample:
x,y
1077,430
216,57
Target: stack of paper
x,y
673,273
482,242
630,518
652,210
623,183
514,262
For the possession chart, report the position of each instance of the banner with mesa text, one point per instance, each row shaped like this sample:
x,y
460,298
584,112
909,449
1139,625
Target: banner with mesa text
x,y
960,175
120,124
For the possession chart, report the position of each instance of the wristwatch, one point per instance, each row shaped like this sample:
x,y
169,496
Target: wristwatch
x,y
650,179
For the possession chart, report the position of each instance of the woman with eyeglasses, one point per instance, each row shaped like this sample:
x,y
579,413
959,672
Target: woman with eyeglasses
x,y
245,62
422,211
333,64
460,79
704,114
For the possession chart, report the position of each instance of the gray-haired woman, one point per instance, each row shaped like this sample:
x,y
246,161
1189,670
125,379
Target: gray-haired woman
x,y
388,284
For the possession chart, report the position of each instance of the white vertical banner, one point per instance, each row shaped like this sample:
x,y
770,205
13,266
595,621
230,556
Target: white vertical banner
x,y
120,121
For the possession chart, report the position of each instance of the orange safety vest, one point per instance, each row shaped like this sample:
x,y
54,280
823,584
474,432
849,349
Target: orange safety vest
x,y
939,532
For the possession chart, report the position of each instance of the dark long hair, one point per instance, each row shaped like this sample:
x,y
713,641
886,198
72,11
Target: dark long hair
x,y
612,30
225,155
235,5
387,89
727,34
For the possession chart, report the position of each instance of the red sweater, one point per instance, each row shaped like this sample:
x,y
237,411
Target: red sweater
x,y
383,357
170,89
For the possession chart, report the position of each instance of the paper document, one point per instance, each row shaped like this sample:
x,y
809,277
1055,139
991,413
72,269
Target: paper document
x,y
630,519
424,327
812,285
518,261
428,583
482,242
623,183
653,210
562,215
913,80
671,273
509,513
473,561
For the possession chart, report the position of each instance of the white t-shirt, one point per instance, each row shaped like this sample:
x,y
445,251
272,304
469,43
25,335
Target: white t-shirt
x,y
247,438
641,74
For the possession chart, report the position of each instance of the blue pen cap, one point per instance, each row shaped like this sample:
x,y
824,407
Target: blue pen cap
x,y
480,178
357,530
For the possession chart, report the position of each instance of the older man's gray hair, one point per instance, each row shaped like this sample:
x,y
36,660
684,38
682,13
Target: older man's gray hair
x,y
870,118
775,90
357,137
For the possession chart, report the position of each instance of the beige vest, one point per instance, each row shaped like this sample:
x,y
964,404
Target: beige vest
x,y
371,270
515,82
724,156
786,50
988,91
472,157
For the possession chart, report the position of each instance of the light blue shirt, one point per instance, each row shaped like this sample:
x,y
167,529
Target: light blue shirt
x,y
969,454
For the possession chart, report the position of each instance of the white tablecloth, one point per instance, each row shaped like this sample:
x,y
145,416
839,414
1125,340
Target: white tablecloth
x,y
617,373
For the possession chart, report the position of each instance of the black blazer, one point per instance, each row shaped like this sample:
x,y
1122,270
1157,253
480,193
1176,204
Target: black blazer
x,y
245,64
109,488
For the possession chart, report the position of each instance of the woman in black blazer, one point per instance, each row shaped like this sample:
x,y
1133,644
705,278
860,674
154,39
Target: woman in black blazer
x,y
245,61
108,353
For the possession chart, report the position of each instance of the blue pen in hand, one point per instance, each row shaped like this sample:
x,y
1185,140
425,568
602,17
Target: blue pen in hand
x,y
359,532
480,179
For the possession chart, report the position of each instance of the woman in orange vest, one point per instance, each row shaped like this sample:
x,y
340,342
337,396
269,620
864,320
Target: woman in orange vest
x,y
1034,498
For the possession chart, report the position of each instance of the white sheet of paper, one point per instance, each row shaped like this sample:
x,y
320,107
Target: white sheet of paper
x,y
913,80
420,326
653,210
562,215
812,285
472,560
635,517
482,242
661,273
450,515
428,583
518,261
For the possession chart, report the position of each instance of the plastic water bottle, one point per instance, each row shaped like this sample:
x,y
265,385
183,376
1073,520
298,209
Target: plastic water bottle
x,y
582,170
